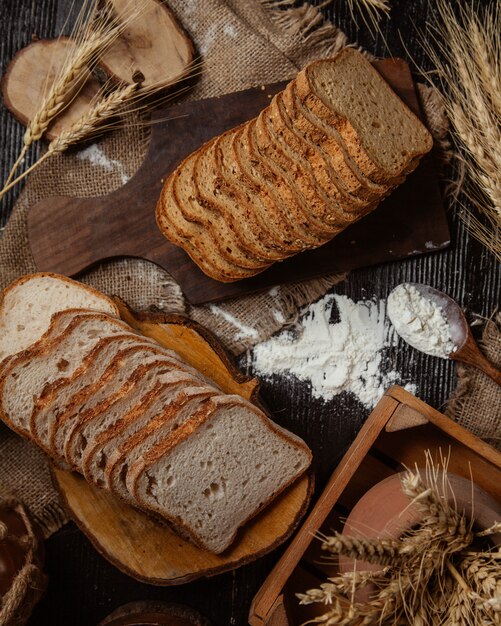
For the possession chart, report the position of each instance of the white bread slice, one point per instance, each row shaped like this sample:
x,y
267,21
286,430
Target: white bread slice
x,y
366,110
27,375
218,470
135,373
27,305
165,406
148,383
89,379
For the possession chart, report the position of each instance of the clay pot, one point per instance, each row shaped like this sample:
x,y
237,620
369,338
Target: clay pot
x,y
150,613
385,512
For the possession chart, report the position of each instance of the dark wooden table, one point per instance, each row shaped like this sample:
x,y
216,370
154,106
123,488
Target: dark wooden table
x,y
83,586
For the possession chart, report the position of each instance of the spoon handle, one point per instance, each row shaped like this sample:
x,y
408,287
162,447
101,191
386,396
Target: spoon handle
x,y
471,355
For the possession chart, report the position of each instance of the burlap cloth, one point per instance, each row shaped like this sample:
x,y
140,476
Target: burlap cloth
x,y
476,402
242,43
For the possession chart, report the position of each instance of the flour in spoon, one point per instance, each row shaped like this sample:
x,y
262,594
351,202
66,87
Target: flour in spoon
x,y
420,321
343,354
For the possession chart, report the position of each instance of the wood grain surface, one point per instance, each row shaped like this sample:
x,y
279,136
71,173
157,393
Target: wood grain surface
x,y
83,586
68,235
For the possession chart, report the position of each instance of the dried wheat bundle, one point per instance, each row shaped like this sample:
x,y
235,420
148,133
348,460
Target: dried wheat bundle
x,y
441,572
465,47
371,11
97,27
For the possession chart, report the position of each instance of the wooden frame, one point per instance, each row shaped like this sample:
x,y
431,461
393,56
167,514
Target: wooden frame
x,y
382,446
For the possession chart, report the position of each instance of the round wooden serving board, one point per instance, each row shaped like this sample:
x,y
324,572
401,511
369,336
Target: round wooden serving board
x,y
140,546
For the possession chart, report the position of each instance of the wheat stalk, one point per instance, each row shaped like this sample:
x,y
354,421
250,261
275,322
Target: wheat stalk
x,y
380,551
465,47
87,125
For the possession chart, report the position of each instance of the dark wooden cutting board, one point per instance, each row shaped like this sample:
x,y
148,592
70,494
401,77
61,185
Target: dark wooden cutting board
x,y
68,235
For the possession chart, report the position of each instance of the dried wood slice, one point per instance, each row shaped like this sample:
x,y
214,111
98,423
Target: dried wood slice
x,y
153,49
147,549
29,77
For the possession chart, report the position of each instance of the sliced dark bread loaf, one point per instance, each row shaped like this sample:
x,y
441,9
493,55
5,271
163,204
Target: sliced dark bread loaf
x,y
365,110
289,235
299,110
309,156
290,195
262,221
217,470
302,178
208,216
26,376
28,304
234,217
169,218
326,151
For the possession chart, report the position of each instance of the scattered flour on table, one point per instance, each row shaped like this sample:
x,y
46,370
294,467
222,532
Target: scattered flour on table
x,y
244,331
340,355
96,157
420,321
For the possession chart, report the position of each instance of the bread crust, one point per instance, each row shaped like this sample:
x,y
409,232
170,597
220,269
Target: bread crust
x,y
188,429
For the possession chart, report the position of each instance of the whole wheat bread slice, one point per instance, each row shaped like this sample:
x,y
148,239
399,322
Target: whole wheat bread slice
x,y
170,222
322,207
218,470
262,222
326,150
365,110
27,305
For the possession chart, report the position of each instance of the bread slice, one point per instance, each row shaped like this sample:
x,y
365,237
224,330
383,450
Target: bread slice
x,y
114,449
263,222
27,375
333,218
287,235
328,152
27,305
88,379
133,370
213,190
290,195
217,470
168,215
199,189
300,111
197,244
153,382
365,110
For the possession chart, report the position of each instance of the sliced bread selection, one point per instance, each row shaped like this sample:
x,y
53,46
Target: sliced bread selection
x,y
322,155
128,414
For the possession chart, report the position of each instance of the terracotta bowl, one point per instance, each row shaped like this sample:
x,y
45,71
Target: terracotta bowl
x,y
385,512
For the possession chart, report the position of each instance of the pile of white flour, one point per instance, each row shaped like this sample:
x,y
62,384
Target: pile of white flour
x,y
342,355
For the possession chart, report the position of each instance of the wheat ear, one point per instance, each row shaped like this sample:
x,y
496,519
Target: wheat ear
x,y
87,125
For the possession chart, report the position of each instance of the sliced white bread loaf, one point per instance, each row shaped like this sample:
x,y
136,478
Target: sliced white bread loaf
x,y
143,387
88,381
28,304
116,448
27,375
217,470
